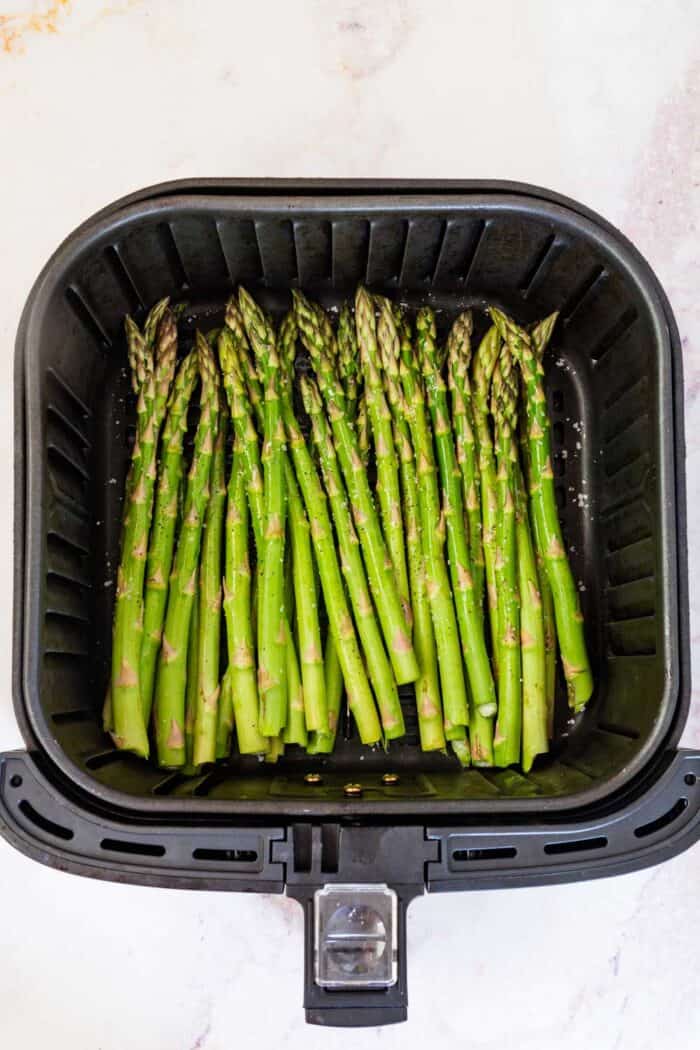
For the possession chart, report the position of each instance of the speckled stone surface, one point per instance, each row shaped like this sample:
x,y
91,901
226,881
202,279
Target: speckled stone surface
x,y
599,101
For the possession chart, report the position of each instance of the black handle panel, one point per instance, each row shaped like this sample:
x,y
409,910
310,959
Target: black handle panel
x,y
355,1009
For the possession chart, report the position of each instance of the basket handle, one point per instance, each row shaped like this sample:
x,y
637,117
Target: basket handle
x,y
355,1004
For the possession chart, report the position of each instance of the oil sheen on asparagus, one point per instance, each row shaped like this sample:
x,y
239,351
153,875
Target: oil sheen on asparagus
x,y
341,521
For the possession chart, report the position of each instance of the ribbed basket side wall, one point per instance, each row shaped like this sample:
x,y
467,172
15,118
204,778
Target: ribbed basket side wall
x,y
602,381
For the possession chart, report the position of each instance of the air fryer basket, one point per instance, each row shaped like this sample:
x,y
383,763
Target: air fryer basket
x,y
615,392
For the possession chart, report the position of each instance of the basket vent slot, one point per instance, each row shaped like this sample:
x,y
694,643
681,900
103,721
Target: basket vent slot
x,y
239,245
349,255
87,318
47,825
231,856
65,562
313,250
576,845
614,333
276,249
421,252
104,758
537,267
663,821
171,252
580,293
68,478
387,242
121,275
634,637
485,853
457,252
80,714
138,849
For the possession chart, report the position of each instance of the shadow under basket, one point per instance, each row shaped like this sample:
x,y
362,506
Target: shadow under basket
x,y
614,385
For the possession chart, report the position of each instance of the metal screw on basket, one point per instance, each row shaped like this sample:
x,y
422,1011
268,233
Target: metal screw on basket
x,y
353,790
390,778
313,778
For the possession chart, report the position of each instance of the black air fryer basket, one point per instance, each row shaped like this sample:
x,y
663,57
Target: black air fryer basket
x,y
614,795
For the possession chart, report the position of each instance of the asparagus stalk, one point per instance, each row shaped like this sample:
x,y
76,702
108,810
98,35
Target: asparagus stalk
x,y
276,749
272,627
541,335
427,686
458,358
237,601
362,427
165,516
207,709
348,357
532,641
322,742
130,731
482,370
224,725
244,393
385,453
378,665
509,723
462,752
303,569
357,687
432,526
307,622
172,665
379,567
567,609
468,614
295,730
192,686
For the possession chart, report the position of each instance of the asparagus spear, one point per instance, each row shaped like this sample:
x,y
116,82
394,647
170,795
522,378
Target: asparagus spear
x,y
295,730
207,709
244,393
192,687
251,399
385,453
322,742
427,686
541,335
140,344
165,516
272,628
348,357
509,723
567,609
305,599
459,357
482,370
237,598
468,614
130,731
172,665
432,524
378,666
378,562
224,725
311,658
359,694
532,640
154,318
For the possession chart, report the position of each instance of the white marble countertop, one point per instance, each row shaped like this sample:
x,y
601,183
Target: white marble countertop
x,y
599,101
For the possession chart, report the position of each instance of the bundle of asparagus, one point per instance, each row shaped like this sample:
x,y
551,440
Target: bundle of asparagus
x,y
411,540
